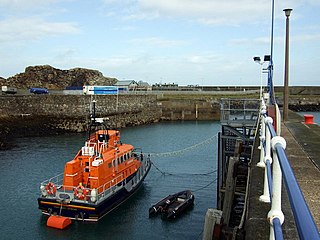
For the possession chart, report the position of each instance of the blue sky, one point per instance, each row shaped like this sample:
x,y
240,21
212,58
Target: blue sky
x,y
205,42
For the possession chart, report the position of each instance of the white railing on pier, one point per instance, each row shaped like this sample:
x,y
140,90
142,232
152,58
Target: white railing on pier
x,y
274,159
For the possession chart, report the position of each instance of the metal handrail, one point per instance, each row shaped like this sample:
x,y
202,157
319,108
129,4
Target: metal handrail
x,y
273,151
305,223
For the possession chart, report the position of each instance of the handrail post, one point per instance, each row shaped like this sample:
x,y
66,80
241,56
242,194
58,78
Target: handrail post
x,y
275,211
262,137
266,194
268,137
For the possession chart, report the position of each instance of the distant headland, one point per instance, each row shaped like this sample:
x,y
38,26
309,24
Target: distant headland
x,y
46,76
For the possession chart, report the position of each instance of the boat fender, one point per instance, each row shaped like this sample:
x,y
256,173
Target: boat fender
x,y
51,188
94,194
80,192
58,222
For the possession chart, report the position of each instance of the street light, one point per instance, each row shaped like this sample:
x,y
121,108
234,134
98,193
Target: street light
x,y
286,68
287,12
258,60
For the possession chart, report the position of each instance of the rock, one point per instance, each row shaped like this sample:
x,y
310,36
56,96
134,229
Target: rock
x,y
52,78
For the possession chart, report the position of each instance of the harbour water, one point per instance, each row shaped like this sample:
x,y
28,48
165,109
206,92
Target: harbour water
x,y
184,155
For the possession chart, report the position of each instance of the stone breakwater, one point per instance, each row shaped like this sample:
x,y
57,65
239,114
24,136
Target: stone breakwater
x,y
41,115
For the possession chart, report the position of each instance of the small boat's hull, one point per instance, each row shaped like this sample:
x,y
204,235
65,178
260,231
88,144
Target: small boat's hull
x,y
87,211
172,206
158,207
172,213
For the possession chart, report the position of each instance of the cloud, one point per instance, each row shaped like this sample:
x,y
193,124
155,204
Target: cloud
x,y
26,7
206,12
306,38
18,4
124,28
33,28
254,41
157,42
203,59
301,38
209,12
28,20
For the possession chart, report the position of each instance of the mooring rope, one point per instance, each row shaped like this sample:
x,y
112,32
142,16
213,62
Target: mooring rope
x,y
199,174
172,174
205,186
162,172
178,152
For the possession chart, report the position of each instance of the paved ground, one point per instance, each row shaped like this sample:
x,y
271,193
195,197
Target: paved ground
x,y
303,152
304,157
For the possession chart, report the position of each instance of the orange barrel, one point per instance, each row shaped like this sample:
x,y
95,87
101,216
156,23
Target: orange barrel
x,y
308,119
58,222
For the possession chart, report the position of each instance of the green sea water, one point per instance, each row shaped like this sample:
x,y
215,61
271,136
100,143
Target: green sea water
x,y
185,151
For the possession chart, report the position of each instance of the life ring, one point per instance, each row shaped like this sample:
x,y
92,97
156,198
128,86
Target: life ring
x,y
51,188
80,192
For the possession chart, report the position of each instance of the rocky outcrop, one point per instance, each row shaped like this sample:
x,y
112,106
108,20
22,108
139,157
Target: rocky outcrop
x,y
53,78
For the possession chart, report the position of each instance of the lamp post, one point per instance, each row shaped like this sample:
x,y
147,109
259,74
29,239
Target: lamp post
x,y
286,68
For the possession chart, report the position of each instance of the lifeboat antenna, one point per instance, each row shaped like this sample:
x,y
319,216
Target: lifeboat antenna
x,y
93,115
92,121
95,122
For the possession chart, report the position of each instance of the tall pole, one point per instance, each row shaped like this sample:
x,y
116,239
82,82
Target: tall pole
x,y
286,69
270,67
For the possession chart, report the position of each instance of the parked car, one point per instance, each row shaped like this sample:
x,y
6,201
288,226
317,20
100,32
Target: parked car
x,y
39,90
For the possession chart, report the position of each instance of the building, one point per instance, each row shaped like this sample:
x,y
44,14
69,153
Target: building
x,y
144,86
126,85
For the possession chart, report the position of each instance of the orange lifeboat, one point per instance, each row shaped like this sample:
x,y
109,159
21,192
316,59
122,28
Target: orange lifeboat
x,y
101,176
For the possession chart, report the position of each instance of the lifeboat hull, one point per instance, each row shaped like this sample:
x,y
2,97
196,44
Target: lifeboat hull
x,y
88,211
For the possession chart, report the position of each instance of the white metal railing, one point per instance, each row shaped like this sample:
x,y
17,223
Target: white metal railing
x,y
238,110
273,158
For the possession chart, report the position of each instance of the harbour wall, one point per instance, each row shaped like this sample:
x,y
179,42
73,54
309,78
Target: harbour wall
x,y
41,115
190,109
70,112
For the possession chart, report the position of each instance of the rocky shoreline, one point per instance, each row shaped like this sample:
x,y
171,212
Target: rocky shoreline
x,y
305,108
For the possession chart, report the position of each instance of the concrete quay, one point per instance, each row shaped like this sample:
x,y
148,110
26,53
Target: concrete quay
x,y
303,152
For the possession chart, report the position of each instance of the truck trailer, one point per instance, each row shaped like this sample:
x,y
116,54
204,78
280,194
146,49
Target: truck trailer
x,y
100,90
8,90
